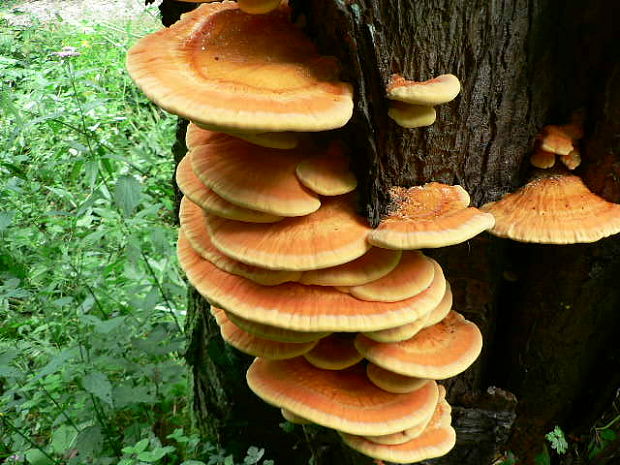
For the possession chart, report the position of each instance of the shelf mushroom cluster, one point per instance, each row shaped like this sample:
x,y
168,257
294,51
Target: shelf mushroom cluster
x,y
560,140
351,326
555,206
347,334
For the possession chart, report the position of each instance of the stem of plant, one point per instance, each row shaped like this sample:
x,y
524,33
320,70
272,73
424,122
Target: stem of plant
x,y
34,445
87,136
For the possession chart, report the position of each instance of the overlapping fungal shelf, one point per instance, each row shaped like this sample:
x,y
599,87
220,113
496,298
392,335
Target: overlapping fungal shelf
x,y
352,327
561,140
413,103
554,208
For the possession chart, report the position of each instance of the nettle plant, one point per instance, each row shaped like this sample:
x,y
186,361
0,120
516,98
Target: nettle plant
x,y
90,337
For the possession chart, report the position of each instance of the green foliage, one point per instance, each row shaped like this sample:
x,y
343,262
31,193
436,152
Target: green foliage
x,y
603,437
544,458
557,440
91,299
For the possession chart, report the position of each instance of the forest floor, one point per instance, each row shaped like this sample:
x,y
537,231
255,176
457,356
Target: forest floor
x,y
76,11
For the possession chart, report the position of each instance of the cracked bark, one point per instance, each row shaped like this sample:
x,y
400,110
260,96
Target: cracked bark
x,y
548,313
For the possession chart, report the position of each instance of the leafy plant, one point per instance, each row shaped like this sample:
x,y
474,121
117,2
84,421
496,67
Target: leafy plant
x,y
603,437
544,458
557,440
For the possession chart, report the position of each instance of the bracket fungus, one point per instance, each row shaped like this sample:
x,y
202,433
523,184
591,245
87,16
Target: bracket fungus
x,y
572,160
296,306
392,382
559,140
249,6
328,173
257,346
218,67
442,89
411,433
408,330
194,190
542,159
433,215
334,352
196,136
437,352
194,229
292,272
241,267
332,235
414,274
412,116
413,102
441,310
554,209
344,400
374,264
256,7
228,166
275,333
437,439
555,140
291,417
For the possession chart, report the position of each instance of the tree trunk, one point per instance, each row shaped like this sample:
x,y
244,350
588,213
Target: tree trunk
x,y
548,313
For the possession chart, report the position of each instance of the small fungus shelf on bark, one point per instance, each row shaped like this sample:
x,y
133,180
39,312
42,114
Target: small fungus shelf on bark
x,y
562,141
413,102
554,209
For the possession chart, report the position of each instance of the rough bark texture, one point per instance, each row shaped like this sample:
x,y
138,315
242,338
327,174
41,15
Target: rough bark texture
x,y
522,65
548,313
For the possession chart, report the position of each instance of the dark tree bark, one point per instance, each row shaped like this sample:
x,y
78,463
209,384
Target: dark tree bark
x,y
548,313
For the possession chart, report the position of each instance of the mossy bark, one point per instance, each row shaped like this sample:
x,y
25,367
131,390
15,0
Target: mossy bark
x,y
549,314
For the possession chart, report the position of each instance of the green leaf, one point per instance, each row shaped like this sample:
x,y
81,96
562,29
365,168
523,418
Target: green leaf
x,y
253,455
151,299
89,442
193,462
7,355
156,343
125,395
543,458
63,438
107,326
36,457
126,462
155,455
57,362
98,385
140,446
287,427
8,371
6,218
608,435
127,192
557,440
160,240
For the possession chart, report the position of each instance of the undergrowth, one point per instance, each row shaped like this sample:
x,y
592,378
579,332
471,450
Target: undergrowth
x,y
91,301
